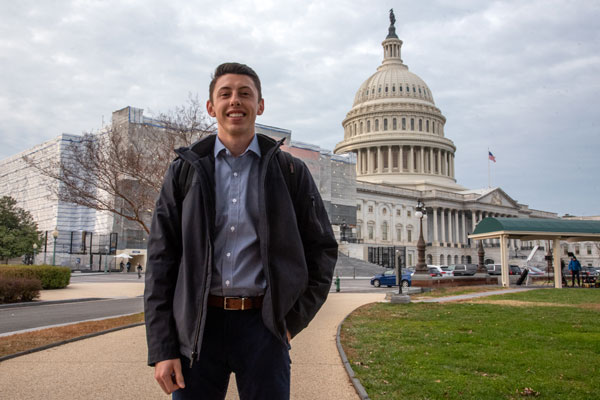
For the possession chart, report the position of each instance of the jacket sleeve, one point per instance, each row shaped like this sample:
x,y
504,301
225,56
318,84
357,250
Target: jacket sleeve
x,y
164,254
320,250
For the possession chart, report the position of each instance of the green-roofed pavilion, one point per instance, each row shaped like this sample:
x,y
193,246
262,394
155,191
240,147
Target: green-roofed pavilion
x,y
528,229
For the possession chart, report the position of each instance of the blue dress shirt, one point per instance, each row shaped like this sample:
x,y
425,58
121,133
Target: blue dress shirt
x,y
238,265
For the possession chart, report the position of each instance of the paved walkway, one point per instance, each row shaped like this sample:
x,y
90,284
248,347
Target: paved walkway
x,y
113,366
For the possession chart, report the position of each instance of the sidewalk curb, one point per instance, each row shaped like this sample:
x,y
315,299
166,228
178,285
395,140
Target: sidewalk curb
x,y
360,390
50,302
75,339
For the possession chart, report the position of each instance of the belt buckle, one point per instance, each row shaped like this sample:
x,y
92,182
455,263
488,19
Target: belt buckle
x,y
225,307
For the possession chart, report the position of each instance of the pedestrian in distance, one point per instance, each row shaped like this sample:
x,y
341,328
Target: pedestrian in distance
x,y
574,267
139,270
121,266
128,265
240,255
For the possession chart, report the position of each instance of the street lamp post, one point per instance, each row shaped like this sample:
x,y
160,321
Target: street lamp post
x,y
421,264
105,259
343,228
55,236
35,246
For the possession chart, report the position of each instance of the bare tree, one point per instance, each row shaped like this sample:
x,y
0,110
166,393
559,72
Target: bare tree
x,y
121,169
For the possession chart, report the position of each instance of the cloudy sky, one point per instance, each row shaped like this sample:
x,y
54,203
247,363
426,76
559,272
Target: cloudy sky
x,y
521,78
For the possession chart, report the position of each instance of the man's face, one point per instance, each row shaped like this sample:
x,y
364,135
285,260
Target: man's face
x,y
235,105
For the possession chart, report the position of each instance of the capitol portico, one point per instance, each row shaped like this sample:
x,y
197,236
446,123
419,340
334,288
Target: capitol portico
x,y
402,154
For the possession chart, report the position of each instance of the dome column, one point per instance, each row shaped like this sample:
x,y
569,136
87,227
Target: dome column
x,y
390,165
431,160
435,227
379,160
400,159
456,225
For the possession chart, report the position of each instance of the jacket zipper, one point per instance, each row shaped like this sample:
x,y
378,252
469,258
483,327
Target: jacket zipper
x,y
264,239
194,354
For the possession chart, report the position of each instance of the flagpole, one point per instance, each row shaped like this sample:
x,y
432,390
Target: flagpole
x,y
489,176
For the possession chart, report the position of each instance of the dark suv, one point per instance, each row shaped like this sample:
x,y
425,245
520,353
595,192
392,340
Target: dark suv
x,y
514,270
464,269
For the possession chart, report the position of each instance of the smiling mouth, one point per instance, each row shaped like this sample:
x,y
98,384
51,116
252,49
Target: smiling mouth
x,y
236,114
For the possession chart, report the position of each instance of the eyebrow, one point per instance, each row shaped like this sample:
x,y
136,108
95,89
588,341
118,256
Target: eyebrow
x,y
229,88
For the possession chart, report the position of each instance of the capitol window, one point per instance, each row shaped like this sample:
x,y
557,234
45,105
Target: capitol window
x,y
427,125
386,89
368,126
376,125
420,125
393,88
400,87
399,212
394,124
403,123
412,124
384,231
414,90
385,124
370,209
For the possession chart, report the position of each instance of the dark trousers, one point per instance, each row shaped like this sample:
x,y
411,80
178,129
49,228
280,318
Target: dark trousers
x,y
238,342
573,273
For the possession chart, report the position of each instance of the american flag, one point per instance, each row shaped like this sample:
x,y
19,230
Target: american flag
x,y
491,156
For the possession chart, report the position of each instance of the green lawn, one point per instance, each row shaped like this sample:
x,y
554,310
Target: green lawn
x,y
478,351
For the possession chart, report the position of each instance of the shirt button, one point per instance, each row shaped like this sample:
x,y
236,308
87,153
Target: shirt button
x,y
234,201
228,254
226,283
232,228
235,174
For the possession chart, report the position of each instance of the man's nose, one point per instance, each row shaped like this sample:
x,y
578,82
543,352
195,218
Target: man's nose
x,y
235,99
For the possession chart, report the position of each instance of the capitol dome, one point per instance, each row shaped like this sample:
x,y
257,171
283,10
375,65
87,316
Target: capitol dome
x,y
395,128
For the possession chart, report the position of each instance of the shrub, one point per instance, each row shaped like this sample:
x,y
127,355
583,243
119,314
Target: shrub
x,y
51,277
13,290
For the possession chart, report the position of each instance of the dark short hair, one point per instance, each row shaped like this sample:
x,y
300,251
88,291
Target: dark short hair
x,y
234,68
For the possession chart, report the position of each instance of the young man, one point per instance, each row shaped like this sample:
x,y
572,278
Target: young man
x,y
239,261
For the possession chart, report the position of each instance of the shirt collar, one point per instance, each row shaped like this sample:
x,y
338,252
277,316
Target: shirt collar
x,y
254,147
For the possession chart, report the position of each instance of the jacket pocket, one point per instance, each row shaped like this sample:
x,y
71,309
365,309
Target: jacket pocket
x,y
314,216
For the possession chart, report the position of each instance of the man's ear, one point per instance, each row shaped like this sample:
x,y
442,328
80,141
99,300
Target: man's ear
x,y
210,109
261,107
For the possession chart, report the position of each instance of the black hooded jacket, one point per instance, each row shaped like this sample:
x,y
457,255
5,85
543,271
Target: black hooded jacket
x,y
297,246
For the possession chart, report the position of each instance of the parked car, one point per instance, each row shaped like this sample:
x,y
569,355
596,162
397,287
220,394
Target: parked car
x,y
589,271
494,269
514,270
434,271
535,271
443,273
388,278
464,269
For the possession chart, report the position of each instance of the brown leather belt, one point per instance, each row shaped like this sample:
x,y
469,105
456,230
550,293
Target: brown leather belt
x,y
235,303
